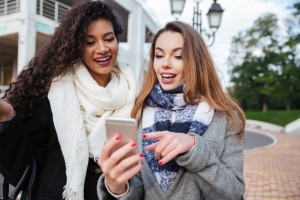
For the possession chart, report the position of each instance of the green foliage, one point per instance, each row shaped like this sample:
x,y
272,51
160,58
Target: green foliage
x,y
278,117
265,66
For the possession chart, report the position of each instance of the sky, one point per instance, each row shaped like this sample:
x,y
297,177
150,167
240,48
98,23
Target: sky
x,y
238,15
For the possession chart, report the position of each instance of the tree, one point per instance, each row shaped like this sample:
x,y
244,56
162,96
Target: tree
x,y
265,65
290,79
252,74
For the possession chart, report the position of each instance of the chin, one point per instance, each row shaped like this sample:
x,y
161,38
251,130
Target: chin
x,y
106,70
167,87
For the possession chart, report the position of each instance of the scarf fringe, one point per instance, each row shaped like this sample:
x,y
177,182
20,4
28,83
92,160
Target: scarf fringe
x,y
68,194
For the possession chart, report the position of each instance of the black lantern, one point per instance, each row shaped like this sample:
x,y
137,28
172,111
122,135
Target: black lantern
x,y
215,15
214,18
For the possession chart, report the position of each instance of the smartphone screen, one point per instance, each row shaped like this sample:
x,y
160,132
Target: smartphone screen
x,y
125,127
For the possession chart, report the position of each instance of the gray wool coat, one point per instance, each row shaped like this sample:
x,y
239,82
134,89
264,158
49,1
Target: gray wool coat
x,y
212,170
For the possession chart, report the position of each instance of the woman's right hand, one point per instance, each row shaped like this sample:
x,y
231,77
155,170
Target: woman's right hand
x,y
6,111
118,170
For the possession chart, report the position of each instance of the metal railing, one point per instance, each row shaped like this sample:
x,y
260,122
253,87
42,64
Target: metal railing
x,y
8,7
51,9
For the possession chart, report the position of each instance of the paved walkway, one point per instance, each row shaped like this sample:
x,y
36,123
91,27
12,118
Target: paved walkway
x,y
273,173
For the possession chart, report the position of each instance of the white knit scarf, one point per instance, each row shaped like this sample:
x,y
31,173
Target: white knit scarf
x,y
79,107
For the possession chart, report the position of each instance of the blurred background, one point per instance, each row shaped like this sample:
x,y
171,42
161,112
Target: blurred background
x,y
256,49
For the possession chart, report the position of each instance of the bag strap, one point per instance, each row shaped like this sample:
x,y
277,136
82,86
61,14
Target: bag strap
x,y
5,190
28,178
32,178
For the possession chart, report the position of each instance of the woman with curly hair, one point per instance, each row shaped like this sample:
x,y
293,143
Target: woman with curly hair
x,y
55,109
191,131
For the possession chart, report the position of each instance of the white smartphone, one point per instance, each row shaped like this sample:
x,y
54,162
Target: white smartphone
x,y
125,127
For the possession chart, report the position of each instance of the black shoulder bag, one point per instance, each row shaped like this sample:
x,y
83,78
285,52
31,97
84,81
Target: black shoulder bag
x,y
25,184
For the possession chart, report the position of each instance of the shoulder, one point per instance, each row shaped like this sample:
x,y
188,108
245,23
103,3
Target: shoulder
x,y
221,125
41,110
217,127
41,103
219,120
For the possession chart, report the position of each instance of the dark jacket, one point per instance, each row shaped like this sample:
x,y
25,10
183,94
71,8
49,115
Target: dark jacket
x,y
20,138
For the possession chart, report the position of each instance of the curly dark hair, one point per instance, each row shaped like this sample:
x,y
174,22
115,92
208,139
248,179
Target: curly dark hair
x,y
58,56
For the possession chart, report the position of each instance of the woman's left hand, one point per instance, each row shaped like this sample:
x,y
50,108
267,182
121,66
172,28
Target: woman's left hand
x,y
169,144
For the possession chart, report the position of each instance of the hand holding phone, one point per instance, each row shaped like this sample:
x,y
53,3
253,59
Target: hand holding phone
x,y
124,127
118,168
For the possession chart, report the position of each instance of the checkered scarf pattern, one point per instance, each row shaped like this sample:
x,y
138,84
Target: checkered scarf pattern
x,y
157,117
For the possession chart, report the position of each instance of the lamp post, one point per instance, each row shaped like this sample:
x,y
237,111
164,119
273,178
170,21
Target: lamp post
x,y
214,18
177,7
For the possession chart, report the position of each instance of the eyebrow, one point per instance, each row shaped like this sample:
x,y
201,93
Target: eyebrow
x,y
176,49
106,34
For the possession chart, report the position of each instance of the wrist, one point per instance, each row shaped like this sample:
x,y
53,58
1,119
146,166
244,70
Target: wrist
x,y
194,142
117,190
117,195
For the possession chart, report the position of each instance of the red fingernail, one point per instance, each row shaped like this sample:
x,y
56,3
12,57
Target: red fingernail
x,y
159,163
141,155
144,135
118,137
133,144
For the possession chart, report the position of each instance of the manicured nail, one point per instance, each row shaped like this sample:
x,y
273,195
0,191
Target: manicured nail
x,y
141,155
118,137
160,163
133,144
144,136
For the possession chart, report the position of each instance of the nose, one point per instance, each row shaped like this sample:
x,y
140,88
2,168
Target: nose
x,y
166,62
101,48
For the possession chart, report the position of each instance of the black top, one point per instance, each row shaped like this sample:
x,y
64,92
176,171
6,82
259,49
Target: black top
x,y
21,138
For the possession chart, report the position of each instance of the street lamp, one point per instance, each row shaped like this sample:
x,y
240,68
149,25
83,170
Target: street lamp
x,y
177,7
215,15
214,18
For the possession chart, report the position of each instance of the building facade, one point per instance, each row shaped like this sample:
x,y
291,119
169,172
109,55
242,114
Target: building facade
x,y
25,26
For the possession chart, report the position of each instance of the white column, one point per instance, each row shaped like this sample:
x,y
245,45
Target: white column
x,y
137,31
139,41
27,33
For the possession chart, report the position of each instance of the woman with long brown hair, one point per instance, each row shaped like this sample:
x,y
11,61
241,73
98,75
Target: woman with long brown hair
x,y
56,108
191,134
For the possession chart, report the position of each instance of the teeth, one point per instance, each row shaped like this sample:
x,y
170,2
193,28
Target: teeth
x,y
168,76
102,59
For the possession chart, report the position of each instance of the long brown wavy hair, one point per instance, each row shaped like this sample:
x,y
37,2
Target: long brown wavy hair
x,y
59,55
202,81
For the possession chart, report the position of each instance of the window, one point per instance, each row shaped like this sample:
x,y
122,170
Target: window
x,y
6,68
149,35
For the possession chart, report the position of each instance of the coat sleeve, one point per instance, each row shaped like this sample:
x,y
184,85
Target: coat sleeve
x,y
136,191
22,138
14,149
218,174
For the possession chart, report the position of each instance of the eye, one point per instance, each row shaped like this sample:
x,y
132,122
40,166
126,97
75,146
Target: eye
x,y
89,43
178,57
109,39
158,56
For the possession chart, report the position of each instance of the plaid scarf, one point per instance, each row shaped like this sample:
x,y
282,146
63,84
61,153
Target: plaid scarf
x,y
157,115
